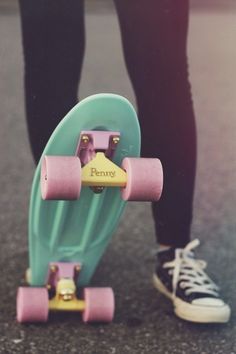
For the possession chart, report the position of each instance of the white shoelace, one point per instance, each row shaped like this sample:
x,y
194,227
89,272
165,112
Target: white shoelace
x,y
189,273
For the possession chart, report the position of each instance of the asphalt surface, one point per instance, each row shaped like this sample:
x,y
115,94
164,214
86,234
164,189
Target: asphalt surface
x,y
144,321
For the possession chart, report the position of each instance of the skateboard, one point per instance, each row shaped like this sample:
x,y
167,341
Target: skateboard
x,y
89,169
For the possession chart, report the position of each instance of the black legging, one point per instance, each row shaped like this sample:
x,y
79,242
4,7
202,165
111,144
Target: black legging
x,y
154,35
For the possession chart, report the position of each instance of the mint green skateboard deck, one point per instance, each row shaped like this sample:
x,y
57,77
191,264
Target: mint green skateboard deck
x,y
79,231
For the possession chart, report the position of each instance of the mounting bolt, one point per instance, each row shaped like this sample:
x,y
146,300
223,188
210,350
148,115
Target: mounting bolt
x,y
85,139
77,268
53,268
115,140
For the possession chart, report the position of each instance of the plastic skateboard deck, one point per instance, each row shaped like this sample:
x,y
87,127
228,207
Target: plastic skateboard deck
x,y
79,231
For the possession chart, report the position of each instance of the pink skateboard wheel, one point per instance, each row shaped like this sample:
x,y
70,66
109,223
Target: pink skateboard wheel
x,y
99,305
32,305
144,179
60,177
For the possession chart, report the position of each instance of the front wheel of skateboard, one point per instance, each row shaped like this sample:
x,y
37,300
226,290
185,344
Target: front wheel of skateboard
x,y
32,305
144,179
99,305
60,177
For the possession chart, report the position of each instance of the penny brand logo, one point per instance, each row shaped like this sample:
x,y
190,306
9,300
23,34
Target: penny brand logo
x,y
97,173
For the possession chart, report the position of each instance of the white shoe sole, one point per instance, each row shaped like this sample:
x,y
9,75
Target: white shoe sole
x,y
194,313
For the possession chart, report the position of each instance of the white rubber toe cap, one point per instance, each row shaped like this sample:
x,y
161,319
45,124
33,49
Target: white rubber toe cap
x,y
207,301
205,310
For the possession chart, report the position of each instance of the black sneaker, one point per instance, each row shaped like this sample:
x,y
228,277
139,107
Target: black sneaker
x,y
181,278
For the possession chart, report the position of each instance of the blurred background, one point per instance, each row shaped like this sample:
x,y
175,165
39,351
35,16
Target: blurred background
x,y
144,321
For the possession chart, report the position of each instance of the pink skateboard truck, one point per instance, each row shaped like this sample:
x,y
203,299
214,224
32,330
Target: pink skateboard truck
x,y
60,294
139,179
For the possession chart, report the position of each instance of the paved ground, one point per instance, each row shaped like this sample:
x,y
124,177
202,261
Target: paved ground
x,y
144,322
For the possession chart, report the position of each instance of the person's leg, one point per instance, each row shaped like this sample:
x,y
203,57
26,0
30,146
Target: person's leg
x,y
53,44
154,40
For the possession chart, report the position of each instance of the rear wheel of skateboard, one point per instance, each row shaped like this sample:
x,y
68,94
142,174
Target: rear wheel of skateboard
x,y
144,179
99,305
32,305
61,177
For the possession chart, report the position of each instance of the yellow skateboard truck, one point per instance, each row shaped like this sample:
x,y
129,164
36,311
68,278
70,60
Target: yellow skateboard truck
x,y
103,172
